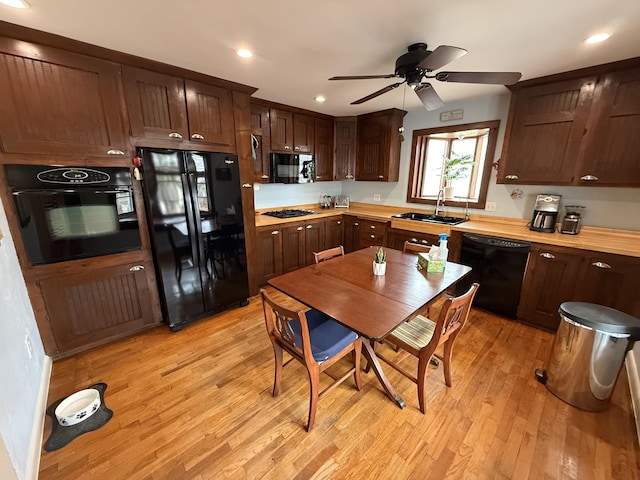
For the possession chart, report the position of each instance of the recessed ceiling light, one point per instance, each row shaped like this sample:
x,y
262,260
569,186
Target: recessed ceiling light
x,y
244,53
600,37
15,3
320,99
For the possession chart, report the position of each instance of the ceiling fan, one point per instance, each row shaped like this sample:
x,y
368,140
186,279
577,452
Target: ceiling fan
x,y
418,63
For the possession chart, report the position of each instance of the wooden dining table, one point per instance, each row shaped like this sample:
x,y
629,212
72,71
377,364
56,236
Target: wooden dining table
x,y
346,289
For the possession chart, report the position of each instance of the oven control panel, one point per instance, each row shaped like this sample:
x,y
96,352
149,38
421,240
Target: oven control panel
x,y
74,175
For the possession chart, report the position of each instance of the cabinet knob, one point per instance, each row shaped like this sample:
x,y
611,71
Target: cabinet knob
x,y
246,185
175,135
318,176
413,240
380,176
547,255
349,176
115,152
339,222
589,178
299,228
197,136
309,226
373,227
136,268
264,176
601,265
356,224
275,232
287,147
373,236
511,177
296,148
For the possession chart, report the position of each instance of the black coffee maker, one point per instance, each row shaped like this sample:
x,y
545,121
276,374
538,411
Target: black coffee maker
x,y
545,213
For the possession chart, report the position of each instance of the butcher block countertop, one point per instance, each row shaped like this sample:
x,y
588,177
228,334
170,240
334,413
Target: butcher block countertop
x,y
623,242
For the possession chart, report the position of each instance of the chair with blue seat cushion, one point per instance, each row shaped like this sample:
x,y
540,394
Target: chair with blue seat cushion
x,y
315,340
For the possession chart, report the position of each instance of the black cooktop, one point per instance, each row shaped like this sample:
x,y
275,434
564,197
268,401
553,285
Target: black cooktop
x,y
288,213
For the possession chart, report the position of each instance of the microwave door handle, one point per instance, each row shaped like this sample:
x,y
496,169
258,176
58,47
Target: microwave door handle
x,y
66,190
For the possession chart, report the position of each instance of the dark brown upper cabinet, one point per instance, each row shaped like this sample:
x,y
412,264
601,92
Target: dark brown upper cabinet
x,y
324,149
291,132
176,112
575,131
58,102
378,146
345,148
260,138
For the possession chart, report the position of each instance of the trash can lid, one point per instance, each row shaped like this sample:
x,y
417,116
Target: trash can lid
x,y
599,317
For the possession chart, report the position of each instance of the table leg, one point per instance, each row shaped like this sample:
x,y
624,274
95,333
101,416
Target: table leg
x,y
372,360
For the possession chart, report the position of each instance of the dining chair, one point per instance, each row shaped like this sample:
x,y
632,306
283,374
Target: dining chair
x,y
328,254
421,336
181,248
410,247
315,340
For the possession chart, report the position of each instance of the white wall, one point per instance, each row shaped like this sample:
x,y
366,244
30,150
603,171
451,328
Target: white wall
x,y
281,195
605,207
20,375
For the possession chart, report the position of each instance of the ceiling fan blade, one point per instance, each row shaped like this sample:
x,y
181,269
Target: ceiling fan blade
x,y
386,89
363,77
441,56
499,78
428,96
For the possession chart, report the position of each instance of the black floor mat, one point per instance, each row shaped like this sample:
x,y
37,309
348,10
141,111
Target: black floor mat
x,y
61,436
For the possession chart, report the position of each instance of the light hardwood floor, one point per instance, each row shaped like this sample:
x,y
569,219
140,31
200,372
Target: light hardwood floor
x,y
197,404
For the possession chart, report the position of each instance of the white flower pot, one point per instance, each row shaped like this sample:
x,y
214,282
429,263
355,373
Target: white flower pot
x,y
379,268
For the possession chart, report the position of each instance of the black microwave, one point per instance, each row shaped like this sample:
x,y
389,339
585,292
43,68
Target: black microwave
x,y
292,168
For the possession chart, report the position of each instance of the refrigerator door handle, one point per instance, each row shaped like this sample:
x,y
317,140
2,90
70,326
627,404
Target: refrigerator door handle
x,y
197,221
188,208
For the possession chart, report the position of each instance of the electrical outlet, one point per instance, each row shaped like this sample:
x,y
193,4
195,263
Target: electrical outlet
x,y
27,344
490,206
376,197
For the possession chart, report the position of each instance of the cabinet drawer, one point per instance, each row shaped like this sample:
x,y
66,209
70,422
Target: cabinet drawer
x,y
372,233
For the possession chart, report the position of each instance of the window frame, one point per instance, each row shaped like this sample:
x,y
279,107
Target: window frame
x,y
416,169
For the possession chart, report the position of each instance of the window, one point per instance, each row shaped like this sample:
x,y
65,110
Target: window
x,y
469,148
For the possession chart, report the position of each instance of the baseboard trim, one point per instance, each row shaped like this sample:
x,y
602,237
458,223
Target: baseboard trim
x,y
633,373
35,446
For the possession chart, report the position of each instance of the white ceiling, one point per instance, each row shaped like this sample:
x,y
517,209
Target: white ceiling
x,y
299,44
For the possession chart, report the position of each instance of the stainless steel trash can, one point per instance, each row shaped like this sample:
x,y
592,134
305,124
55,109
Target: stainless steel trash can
x,y
588,352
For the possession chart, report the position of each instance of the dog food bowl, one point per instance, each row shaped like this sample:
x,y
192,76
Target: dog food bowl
x,y
78,407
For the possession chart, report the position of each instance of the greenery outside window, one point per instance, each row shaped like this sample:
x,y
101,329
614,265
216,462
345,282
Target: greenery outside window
x,y
471,146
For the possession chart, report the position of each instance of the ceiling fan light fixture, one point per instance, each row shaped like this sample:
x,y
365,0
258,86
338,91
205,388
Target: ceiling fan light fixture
x,y
597,38
15,3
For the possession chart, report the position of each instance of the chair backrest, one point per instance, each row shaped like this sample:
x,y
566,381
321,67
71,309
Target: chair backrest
x,y
410,247
282,325
328,254
454,314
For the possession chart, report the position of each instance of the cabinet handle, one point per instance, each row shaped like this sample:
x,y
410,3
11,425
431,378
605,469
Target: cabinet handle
x,y
197,136
175,135
309,226
413,240
299,228
349,176
424,241
115,152
275,232
287,147
373,236
318,176
380,176
136,268
589,178
547,255
246,185
601,265
373,227
296,148
356,224
511,177
264,176
339,222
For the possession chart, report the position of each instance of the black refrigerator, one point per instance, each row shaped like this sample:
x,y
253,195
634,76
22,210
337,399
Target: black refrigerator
x,y
194,208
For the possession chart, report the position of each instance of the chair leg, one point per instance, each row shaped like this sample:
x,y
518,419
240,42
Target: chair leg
x,y
277,350
423,368
446,359
357,355
314,392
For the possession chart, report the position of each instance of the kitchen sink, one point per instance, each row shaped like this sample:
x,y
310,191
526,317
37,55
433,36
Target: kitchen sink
x,y
430,218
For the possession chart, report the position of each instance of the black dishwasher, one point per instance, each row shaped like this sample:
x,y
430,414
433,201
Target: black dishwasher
x,y
498,265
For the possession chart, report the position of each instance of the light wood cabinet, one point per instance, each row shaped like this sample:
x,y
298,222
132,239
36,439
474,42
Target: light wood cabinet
x,y
59,103
173,112
378,146
345,148
323,151
580,131
96,305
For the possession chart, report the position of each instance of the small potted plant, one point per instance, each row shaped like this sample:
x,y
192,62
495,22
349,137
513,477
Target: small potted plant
x,y
455,167
379,263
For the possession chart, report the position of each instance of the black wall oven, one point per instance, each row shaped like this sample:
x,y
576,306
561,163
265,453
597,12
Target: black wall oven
x,y
66,213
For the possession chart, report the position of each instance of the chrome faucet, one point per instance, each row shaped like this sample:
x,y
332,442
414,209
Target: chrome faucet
x,y
438,205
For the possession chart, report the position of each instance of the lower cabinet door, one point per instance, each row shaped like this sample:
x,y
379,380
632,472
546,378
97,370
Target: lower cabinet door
x,y
270,253
91,307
